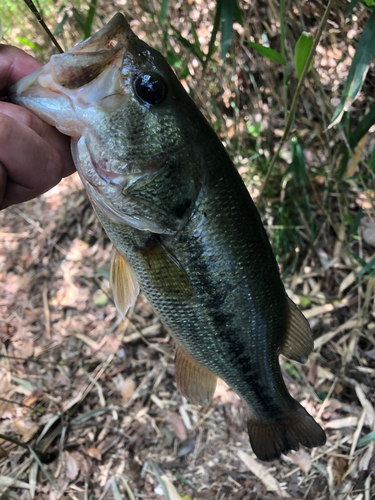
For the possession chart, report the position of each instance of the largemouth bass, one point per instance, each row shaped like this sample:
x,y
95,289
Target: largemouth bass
x,y
183,225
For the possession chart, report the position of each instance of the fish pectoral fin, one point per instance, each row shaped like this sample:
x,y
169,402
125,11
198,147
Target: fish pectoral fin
x,y
123,282
196,383
270,439
166,272
298,342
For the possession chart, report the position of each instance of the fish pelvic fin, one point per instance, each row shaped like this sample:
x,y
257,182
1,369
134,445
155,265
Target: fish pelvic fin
x,y
166,272
195,382
270,439
298,342
123,282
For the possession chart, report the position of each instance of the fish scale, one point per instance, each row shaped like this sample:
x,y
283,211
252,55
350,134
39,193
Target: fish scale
x,y
183,225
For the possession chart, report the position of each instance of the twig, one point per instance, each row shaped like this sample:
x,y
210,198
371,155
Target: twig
x,y
296,96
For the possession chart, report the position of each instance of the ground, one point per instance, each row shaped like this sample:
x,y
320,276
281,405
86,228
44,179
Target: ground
x,y
89,407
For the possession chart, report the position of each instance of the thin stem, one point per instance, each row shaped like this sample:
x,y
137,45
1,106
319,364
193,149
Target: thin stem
x,y
293,107
283,53
36,13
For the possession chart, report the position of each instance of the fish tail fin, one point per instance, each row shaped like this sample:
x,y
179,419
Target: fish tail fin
x,y
270,439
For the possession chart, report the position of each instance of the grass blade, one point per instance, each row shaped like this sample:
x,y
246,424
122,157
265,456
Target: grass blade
x,y
60,26
358,70
90,19
227,13
366,439
163,12
363,127
215,29
267,52
43,469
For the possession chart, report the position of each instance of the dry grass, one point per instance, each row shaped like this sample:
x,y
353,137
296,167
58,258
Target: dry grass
x,y
89,408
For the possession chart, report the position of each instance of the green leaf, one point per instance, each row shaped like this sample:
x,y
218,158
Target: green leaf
x,y
227,14
60,26
302,52
368,267
163,12
371,163
1,30
29,44
358,70
366,439
211,46
351,7
238,13
268,52
363,127
80,20
197,45
90,19
188,45
298,165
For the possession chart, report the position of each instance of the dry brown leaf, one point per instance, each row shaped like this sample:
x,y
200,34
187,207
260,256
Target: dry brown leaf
x,y
302,458
177,425
127,388
24,348
262,473
34,397
26,428
95,453
71,466
339,423
225,393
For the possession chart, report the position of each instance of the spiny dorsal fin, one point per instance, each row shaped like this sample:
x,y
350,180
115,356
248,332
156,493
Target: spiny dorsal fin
x,y
166,272
123,282
298,342
196,383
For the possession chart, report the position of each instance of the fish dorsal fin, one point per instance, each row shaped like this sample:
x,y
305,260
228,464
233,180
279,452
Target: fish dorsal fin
x,y
123,282
196,383
298,342
166,272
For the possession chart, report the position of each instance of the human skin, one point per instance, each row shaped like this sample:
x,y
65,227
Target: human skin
x,y
34,156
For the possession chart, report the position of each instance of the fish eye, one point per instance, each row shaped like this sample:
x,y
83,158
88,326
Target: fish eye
x,y
150,88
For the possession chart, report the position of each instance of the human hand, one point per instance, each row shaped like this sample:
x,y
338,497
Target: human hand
x,y
34,156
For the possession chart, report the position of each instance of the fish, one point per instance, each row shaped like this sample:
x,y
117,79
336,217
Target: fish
x,y
183,226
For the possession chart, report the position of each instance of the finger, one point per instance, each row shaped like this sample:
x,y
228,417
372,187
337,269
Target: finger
x,y
14,65
50,134
29,160
3,181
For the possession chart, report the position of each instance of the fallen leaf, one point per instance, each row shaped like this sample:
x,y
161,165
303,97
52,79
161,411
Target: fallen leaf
x,y
302,458
127,388
339,423
26,428
71,466
177,425
94,453
173,493
261,472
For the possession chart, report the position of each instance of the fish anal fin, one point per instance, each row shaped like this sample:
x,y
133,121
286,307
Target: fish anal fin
x,y
298,342
166,272
123,282
269,440
195,382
